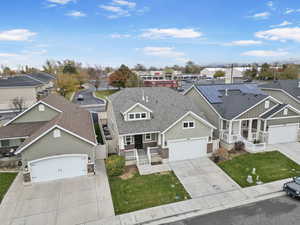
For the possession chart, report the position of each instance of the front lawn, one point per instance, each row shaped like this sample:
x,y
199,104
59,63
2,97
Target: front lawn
x,y
105,93
5,181
270,166
139,192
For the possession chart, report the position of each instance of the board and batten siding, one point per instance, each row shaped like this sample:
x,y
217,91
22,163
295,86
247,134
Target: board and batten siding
x,y
7,95
283,97
34,115
257,110
177,131
48,146
283,121
210,114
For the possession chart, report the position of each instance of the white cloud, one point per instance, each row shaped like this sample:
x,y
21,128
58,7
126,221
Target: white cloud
x,y
265,53
60,2
125,3
280,34
167,52
116,10
120,35
283,24
8,54
16,35
156,33
262,15
270,3
244,43
76,14
289,11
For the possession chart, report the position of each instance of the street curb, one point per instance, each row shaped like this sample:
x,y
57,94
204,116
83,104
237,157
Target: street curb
x,y
194,213
72,96
105,101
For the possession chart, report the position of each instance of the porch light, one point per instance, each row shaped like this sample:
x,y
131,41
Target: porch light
x,y
20,163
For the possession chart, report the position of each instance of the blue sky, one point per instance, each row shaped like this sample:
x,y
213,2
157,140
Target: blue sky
x,y
151,32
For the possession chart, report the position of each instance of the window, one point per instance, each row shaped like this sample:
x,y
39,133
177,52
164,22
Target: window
x,y
41,108
4,143
56,133
188,124
148,137
128,140
267,104
137,116
131,116
285,112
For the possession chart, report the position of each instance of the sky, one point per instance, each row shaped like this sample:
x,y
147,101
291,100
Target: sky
x,y
149,32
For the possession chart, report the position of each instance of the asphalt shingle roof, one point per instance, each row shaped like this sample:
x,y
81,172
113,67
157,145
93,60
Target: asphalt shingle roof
x,y
273,111
18,81
166,104
290,86
240,97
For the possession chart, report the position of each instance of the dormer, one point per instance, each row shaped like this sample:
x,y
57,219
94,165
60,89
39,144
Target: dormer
x,y
137,112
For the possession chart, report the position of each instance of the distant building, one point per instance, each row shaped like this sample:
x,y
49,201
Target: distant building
x,y
236,72
161,83
158,75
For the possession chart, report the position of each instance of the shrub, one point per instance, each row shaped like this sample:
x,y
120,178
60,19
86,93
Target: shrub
x,y
115,165
239,146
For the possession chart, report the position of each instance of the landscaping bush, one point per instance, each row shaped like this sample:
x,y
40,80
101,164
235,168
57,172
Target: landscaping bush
x,y
239,146
115,165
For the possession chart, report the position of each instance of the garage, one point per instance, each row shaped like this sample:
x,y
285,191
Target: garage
x,y
283,133
58,167
187,149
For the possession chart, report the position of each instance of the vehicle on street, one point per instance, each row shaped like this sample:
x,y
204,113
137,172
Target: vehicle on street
x,y
80,98
292,188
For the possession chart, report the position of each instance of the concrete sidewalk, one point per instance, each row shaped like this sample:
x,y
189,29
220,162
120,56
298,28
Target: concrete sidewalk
x,y
198,206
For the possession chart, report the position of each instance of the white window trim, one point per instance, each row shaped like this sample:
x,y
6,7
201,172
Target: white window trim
x,y
135,113
285,111
148,139
125,141
56,133
267,104
188,122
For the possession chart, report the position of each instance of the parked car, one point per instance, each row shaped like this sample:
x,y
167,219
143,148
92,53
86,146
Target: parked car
x,y
292,188
80,98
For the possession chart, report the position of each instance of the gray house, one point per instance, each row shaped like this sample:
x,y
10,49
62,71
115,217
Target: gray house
x,y
157,124
243,112
54,139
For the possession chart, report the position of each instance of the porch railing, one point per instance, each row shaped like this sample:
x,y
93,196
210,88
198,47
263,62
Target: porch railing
x,y
131,155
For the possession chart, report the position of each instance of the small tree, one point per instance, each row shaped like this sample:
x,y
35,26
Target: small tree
x,y
66,83
219,74
18,104
122,77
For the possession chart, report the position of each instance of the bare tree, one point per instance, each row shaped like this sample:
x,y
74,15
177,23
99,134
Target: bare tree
x,y
18,104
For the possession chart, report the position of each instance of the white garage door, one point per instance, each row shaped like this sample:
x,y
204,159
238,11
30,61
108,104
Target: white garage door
x,y
283,134
187,149
58,167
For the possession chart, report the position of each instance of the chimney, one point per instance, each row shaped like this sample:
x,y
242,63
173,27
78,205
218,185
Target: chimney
x,y
143,96
298,84
147,99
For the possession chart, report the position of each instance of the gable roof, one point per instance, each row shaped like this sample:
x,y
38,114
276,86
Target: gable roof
x,y
239,98
72,119
166,104
273,111
289,86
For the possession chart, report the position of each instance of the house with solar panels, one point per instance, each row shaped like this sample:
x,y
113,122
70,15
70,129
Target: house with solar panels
x,y
243,112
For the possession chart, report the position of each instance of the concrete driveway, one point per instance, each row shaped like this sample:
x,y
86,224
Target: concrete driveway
x,y
63,202
291,150
201,177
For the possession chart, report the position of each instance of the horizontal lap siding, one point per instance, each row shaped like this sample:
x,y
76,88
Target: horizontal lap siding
x,y
257,110
282,121
284,98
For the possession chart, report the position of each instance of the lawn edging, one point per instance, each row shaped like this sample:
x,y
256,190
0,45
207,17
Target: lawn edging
x,y
4,194
102,99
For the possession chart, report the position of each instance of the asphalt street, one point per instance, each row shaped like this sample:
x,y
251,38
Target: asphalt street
x,y
277,211
88,98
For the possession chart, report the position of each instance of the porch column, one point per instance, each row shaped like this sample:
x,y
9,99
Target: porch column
x,y
159,139
258,128
121,143
240,128
229,131
250,130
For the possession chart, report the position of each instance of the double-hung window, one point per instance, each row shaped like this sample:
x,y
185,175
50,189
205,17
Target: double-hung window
x,y
128,140
148,137
188,124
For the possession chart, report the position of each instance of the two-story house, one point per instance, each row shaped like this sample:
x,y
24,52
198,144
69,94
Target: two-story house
x,y
243,112
157,123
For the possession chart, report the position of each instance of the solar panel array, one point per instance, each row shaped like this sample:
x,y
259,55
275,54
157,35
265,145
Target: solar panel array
x,y
213,92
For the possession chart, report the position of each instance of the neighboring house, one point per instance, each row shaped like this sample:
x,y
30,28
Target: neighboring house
x,y
287,91
29,87
237,72
157,123
242,112
54,139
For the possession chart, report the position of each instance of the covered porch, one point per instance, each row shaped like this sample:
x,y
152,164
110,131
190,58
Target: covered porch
x,y
251,131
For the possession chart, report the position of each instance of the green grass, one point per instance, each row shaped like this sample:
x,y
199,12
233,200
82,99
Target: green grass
x,y
5,181
140,192
270,166
69,95
104,94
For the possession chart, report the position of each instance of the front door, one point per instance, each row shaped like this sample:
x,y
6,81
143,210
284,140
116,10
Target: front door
x,y
138,141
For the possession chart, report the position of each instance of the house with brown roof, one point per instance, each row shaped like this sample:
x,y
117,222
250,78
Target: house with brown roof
x,y
54,139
